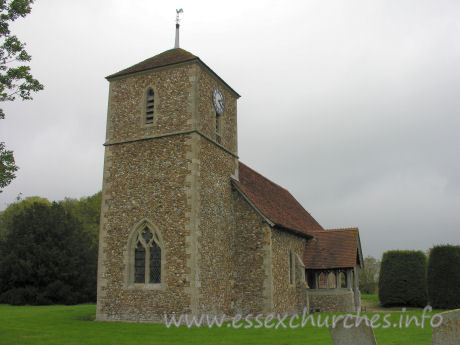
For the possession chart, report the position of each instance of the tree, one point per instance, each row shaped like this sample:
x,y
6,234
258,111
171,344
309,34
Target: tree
x,y
87,210
15,77
46,258
7,167
369,275
444,277
402,279
14,209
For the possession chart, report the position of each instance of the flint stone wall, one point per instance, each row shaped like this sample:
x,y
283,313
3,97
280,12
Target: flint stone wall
x,y
252,291
287,298
331,300
150,187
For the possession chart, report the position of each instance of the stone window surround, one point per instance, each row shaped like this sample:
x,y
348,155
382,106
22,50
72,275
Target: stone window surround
x,y
129,257
143,106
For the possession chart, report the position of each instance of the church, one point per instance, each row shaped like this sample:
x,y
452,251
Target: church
x,y
186,227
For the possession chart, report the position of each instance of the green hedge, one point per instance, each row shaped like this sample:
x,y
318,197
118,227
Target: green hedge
x,y
403,279
444,277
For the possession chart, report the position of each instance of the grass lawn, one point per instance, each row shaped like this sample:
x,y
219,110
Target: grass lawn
x,y
374,298
75,325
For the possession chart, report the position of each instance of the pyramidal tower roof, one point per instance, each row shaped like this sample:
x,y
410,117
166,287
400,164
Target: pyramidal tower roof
x,y
168,57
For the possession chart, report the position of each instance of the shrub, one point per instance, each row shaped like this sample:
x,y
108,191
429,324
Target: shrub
x,y
403,279
444,277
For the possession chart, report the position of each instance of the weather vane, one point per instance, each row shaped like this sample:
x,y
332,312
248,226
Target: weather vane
x,y
179,11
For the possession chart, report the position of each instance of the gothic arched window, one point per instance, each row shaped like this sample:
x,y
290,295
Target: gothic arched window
x,y
149,105
147,257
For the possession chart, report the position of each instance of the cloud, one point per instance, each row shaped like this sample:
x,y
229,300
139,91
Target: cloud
x,y
351,106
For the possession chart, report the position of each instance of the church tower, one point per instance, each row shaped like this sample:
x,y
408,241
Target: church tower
x,y
166,222
188,229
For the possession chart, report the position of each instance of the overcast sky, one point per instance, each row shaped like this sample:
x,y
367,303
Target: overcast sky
x,y
353,106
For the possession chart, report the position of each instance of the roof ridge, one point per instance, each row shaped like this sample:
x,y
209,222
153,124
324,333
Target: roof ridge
x,y
286,190
275,201
265,178
342,229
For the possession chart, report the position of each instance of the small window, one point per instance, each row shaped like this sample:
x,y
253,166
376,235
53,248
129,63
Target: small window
x,y
291,268
218,125
149,106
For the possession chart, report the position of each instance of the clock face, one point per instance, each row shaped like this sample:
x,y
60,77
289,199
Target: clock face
x,y
218,100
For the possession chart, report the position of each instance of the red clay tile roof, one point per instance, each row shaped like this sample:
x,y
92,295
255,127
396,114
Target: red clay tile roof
x,y
275,202
336,248
169,57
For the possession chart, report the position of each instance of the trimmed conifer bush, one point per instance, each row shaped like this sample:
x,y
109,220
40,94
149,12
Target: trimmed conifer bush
x,y
444,277
403,279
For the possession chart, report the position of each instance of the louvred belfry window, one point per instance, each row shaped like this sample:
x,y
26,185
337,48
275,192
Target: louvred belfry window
x,y
147,258
150,105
